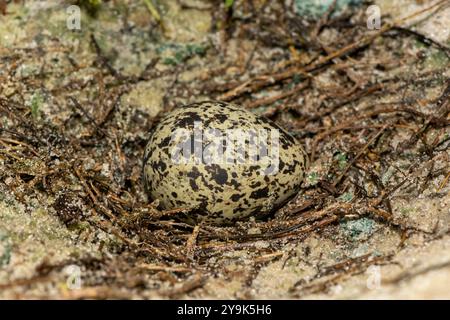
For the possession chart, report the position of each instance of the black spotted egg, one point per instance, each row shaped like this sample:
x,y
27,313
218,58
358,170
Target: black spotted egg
x,y
222,162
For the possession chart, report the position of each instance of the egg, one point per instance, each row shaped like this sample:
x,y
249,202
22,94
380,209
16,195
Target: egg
x,y
222,162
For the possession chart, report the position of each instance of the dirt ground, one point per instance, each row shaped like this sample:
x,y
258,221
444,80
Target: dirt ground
x,y
371,106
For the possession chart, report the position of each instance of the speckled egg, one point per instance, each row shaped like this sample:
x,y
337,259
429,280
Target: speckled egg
x,y
221,161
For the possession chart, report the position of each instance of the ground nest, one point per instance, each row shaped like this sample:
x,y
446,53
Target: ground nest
x,y
371,108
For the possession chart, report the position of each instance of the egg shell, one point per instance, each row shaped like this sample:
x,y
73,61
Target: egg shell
x,y
234,164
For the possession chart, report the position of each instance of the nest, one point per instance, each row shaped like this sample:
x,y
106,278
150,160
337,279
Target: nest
x,y
374,130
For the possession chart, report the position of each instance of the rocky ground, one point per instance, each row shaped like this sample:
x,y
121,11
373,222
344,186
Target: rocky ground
x,y
371,107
